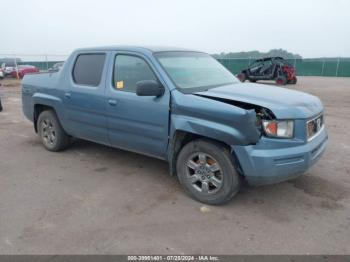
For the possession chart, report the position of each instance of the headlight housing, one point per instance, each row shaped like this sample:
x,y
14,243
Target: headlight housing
x,y
278,128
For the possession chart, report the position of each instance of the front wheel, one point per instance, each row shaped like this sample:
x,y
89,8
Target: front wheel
x,y
205,170
281,80
51,133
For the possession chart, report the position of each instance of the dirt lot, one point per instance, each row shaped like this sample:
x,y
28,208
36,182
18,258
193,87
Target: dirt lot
x,y
95,199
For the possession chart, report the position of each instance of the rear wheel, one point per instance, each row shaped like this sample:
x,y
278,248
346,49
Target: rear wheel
x,y
281,80
51,133
206,172
293,81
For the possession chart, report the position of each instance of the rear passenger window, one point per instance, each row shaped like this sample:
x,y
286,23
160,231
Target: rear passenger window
x,y
88,69
128,70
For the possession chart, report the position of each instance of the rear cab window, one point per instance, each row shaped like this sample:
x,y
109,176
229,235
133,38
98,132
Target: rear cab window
x,y
88,69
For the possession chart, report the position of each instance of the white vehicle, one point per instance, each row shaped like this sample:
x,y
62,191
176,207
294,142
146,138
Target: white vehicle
x,y
2,74
9,69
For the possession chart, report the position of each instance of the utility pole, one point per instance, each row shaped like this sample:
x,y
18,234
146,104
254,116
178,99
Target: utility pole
x,y
16,66
47,63
323,62
336,72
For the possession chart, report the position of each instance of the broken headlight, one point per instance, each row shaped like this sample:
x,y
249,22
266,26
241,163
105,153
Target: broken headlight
x,y
280,129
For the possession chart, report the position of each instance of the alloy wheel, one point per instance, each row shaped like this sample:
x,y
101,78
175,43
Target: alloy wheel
x,y
204,173
48,132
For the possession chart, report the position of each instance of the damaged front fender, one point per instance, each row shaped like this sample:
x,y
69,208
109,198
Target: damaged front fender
x,y
214,119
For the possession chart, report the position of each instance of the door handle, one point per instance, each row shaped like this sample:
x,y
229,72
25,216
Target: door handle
x,y
112,102
67,95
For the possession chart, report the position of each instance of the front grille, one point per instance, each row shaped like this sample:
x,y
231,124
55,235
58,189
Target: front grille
x,y
314,126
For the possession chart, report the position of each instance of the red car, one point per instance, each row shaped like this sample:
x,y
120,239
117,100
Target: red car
x,y
23,70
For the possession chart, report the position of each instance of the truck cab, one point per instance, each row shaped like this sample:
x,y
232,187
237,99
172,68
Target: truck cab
x,y
181,106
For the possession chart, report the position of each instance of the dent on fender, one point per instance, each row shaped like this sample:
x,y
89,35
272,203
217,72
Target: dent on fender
x,y
215,119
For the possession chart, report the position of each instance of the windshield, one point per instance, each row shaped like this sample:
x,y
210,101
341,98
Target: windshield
x,y
194,71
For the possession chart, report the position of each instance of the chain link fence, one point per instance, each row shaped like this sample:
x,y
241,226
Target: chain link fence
x,y
338,67
13,62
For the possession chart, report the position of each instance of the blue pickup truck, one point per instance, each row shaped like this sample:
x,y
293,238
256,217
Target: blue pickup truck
x,y
181,106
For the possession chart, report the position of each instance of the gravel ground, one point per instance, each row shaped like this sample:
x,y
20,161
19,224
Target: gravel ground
x,y
94,199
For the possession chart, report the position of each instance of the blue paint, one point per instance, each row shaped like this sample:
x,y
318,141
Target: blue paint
x,y
148,125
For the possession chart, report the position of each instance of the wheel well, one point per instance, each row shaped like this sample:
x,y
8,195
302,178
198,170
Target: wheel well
x,y
181,138
38,109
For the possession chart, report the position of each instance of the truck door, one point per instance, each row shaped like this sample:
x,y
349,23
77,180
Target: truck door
x,y
85,97
136,123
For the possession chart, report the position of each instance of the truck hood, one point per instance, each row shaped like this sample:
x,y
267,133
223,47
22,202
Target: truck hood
x,y
284,103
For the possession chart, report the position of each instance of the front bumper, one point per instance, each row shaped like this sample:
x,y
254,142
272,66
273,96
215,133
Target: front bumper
x,y
268,163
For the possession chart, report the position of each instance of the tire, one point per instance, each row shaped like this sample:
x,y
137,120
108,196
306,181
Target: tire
x,y
252,80
205,170
293,81
241,77
51,133
281,80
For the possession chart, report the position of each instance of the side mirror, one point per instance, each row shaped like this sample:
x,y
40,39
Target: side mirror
x,y
149,88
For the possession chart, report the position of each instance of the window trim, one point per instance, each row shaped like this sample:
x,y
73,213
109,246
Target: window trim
x,y
134,55
103,68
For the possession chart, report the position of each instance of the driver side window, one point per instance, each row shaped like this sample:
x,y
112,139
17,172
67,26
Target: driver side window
x,y
128,70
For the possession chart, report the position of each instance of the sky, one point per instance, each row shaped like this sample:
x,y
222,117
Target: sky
x,y
311,28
